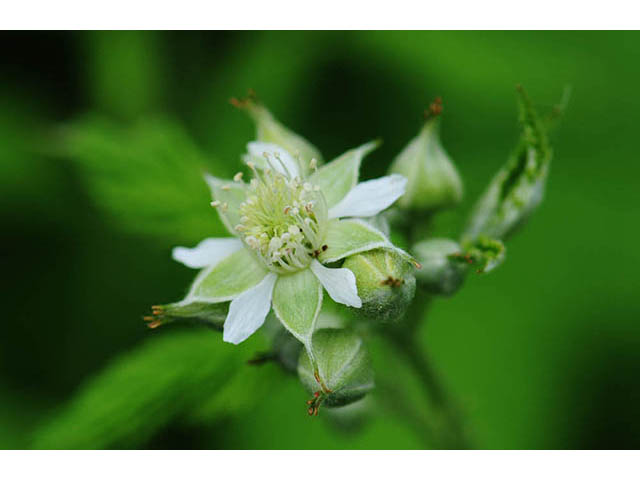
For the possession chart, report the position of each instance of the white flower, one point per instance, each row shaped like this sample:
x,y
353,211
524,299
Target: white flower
x,y
286,228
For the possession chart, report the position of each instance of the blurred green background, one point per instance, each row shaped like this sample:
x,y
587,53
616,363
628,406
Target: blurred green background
x,y
542,353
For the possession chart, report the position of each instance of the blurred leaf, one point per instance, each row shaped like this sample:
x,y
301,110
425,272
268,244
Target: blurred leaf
x,y
125,71
148,178
243,392
142,391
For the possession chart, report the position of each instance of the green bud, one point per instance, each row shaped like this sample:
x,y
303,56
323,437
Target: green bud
x,y
269,129
340,372
433,181
442,271
385,283
518,188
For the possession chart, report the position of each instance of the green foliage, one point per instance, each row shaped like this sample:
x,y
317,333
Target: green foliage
x,y
148,178
140,83
143,391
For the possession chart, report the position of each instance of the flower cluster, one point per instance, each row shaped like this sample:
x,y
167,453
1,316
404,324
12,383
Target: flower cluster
x,y
299,228
293,224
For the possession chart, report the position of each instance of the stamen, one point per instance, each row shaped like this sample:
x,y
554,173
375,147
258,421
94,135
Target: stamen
x,y
238,177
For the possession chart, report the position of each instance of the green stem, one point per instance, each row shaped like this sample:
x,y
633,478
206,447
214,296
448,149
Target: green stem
x,y
448,423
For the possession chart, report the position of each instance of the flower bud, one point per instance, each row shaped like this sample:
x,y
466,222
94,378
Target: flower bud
x,y
340,372
441,273
518,188
385,283
434,182
270,130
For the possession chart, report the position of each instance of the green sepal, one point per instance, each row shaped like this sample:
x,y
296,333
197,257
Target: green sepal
x,y
485,253
341,373
269,129
339,176
230,195
210,315
297,300
227,279
349,237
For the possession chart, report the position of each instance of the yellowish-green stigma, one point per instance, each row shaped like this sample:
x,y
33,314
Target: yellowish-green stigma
x,y
283,220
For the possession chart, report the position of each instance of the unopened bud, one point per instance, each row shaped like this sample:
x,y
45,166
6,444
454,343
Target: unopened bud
x,y
341,371
433,181
385,282
518,188
443,265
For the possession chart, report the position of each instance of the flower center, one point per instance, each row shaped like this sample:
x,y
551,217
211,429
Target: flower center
x,y
283,221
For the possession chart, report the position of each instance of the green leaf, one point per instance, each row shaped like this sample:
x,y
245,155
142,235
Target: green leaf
x,y
146,178
230,195
339,176
243,392
297,299
135,56
348,237
227,279
143,391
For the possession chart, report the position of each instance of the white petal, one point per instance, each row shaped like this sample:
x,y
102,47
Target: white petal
x,y
286,165
207,253
248,311
369,198
340,284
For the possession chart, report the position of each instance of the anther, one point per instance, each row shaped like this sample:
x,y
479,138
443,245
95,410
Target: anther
x,y
237,177
215,204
